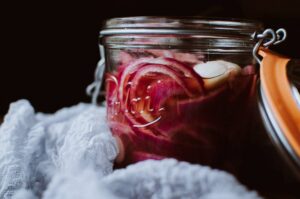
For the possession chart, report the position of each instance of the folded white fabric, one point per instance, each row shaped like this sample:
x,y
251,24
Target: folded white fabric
x,y
70,154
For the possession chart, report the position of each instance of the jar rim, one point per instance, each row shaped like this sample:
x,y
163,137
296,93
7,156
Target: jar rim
x,y
178,25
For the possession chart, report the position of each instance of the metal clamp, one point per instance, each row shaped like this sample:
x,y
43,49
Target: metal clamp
x,y
266,39
93,89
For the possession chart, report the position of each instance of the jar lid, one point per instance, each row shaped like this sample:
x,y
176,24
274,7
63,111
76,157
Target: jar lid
x,y
279,103
178,25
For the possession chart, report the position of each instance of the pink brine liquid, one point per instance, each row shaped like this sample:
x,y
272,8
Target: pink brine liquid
x,y
161,107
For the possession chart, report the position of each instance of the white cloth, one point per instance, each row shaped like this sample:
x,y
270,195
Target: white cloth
x,y
70,154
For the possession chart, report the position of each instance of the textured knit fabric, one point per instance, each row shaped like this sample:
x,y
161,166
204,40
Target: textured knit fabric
x,y
70,155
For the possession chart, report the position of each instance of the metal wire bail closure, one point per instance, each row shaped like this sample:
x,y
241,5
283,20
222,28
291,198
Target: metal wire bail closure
x,y
266,39
93,89
279,106
277,98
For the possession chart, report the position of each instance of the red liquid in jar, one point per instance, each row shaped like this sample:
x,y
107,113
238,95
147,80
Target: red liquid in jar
x,y
160,107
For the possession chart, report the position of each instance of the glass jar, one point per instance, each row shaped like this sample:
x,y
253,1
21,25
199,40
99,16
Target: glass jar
x,y
187,88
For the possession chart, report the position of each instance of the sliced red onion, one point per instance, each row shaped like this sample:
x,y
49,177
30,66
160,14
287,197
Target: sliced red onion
x,y
159,108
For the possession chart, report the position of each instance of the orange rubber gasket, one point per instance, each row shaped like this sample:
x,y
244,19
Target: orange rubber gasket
x,y
277,89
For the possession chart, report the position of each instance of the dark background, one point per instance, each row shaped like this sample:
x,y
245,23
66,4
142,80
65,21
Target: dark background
x,y
49,49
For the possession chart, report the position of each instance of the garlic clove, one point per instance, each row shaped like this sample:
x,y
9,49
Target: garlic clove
x,y
216,73
232,67
210,69
216,82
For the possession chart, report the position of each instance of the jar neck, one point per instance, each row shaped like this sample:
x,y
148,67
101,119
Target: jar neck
x,y
205,43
